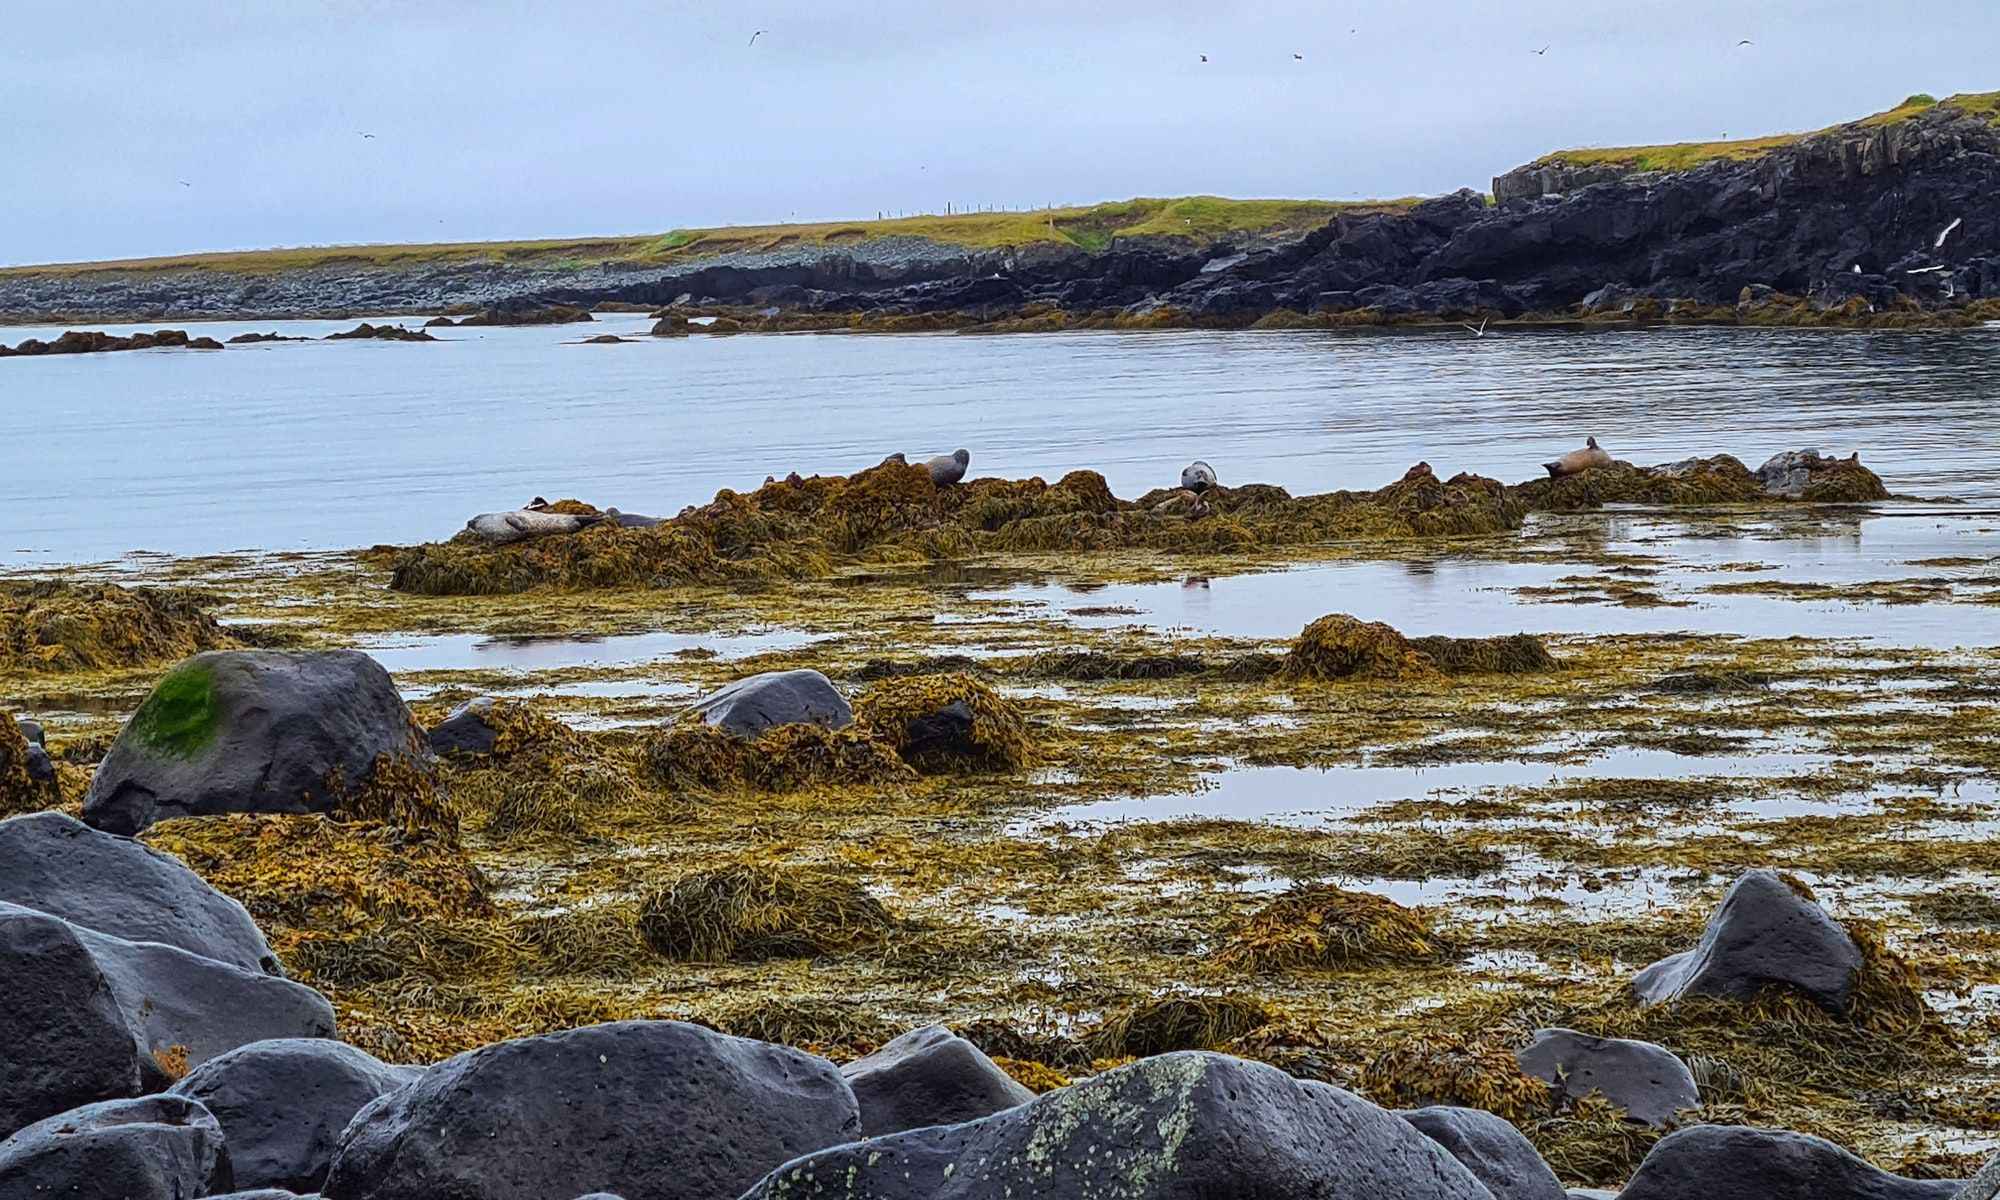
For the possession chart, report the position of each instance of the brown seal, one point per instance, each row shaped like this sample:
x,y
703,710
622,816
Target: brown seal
x,y
1578,461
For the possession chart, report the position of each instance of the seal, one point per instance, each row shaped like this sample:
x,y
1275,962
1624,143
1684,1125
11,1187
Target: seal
x,y
947,469
625,520
1197,477
502,528
1578,461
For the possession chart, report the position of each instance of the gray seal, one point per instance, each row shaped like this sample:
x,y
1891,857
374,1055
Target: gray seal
x,y
625,520
1578,461
947,469
503,528
1197,477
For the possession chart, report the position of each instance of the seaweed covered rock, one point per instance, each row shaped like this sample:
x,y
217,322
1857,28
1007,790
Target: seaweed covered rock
x,y
52,626
749,706
1650,1083
691,755
1174,1127
1491,1148
1768,932
27,777
58,865
1514,654
1438,1067
282,1105
381,333
1731,1162
1807,475
150,1148
945,723
523,771
928,1076
268,731
748,912
67,1042
1342,647
1721,479
527,312
1320,925
1189,1021
650,1110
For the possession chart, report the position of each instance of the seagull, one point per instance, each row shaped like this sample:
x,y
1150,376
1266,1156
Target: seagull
x,y
369,136
183,183
1299,57
1955,223
1543,50
1204,58
1478,330
1746,42
755,36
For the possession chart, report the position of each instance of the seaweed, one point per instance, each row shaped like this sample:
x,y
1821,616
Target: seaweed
x,y
748,912
691,755
1186,1021
1516,654
1338,647
20,791
943,724
55,627
1454,1068
1325,926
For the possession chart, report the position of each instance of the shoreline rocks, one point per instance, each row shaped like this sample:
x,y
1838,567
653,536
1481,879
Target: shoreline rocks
x,y
749,706
929,1076
1768,932
79,341
154,1148
1649,1082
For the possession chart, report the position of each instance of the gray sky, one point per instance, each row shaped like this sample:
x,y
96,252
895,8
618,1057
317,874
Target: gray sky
x,y
512,120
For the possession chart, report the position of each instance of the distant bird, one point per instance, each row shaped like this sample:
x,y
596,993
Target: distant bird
x,y
1746,42
1298,57
369,136
755,36
1478,330
185,183
1955,223
1543,50
1204,58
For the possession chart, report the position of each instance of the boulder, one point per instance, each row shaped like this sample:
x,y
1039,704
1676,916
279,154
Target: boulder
x,y
748,707
1768,932
284,1103
1187,1125
253,731
182,1009
466,730
67,1042
27,777
653,1110
929,1076
1733,1162
54,863
1492,1149
1649,1082
151,1148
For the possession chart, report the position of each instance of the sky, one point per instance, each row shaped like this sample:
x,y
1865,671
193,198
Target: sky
x,y
131,129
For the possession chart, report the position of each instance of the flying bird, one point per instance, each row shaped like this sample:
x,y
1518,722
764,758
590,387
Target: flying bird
x,y
369,136
755,36
1543,50
1478,330
1204,58
183,183
1299,57
1746,42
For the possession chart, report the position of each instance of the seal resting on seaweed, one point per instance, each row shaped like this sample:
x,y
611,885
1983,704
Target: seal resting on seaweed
x,y
1578,461
625,520
501,528
947,469
1197,477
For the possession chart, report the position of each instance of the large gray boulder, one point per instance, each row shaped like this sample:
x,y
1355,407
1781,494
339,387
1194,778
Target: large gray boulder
x,y
650,1110
748,707
56,864
1732,1162
1498,1154
284,1103
929,1076
66,1042
253,731
179,1004
1649,1082
1766,934
1187,1126
150,1148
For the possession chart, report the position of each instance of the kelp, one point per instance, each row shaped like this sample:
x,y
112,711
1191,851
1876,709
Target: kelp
x,y
1448,1067
55,627
1338,647
944,724
20,791
1514,654
690,755
747,912
1187,1021
542,776
1323,926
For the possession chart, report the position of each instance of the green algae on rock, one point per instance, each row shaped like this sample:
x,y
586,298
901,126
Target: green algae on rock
x,y
179,719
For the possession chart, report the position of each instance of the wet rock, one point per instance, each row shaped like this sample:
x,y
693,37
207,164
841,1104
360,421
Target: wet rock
x,y
1649,1082
152,1148
439,323
655,1110
748,707
1808,475
53,863
466,730
27,776
383,333
67,1042
77,341
264,1194
250,339
283,1104
41,768
1177,1126
1728,1162
1491,1148
1768,932
605,339
527,312
254,731
181,1009
929,1076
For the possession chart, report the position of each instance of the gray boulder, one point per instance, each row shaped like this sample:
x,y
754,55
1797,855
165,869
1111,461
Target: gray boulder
x,y
929,1076
252,731
1649,1082
1492,1149
1765,934
283,1104
466,730
66,1042
33,731
748,707
54,863
176,1003
151,1148
1186,1126
653,1110
1731,1162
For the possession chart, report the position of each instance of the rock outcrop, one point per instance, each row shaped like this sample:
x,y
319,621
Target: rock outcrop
x,y
929,1076
1730,1162
749,706
1649,1082
1492,1149
1768,932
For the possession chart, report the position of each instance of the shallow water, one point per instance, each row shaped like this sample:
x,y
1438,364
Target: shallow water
x,y
403,653
329,445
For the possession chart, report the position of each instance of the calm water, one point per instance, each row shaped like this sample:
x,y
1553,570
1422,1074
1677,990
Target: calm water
x,y
328,445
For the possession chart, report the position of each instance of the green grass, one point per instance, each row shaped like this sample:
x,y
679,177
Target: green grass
x,y
1090,226
1679,156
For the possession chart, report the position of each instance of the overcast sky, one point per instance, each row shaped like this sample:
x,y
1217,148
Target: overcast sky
x,y
513,120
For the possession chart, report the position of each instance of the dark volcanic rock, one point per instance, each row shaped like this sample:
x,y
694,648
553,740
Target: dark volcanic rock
x,y
652,1110
929,1077
605,339
251,339
66,1041
748,707
152,1148
384,333
78,341
253,731
56,864
1187,1126
1649,1082
1729,1162
1490,1148
528,312
283,1104
1766,933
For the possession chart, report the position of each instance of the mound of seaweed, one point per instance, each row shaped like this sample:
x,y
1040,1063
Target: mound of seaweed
x,y
1325,926
542,776
1165,1024
1444,1067
1514,654
748,912
50,626
693,756
1720,479
942,724
798,528
1338,646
